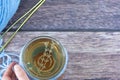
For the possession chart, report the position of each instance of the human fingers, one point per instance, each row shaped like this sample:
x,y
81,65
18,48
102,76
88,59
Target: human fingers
x,y
13,77
8,73
20,73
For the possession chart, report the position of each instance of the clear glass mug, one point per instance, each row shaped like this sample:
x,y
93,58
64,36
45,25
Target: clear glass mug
x,y
44,58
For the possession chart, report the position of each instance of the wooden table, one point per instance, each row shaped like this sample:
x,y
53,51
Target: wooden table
x,y
92,55
72,15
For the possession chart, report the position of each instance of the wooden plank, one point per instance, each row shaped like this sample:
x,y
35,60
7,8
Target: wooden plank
x,y
92,55
72,15
76,41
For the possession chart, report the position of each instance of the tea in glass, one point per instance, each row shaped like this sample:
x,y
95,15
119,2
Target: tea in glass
x,y
44,58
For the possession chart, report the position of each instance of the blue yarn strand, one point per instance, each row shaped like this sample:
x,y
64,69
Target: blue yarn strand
x,y
5,59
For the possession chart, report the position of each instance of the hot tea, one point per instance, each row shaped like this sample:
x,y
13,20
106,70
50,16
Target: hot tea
x,y
44,58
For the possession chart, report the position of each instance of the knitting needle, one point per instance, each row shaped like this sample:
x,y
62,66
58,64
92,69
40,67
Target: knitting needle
x,y
29,13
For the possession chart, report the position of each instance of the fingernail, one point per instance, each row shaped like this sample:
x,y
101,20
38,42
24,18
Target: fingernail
x,y
16,67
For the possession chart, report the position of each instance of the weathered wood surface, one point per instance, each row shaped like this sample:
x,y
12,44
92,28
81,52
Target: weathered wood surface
x,y
72,15
92,55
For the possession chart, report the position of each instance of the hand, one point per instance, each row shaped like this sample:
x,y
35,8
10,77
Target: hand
x,y
18,73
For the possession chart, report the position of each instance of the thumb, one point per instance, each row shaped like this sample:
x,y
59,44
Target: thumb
x,y
20,73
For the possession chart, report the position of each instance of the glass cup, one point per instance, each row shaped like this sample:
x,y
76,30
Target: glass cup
x,y
44,58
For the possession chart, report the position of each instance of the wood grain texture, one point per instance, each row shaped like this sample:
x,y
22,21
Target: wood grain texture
x,y
72,15
92,55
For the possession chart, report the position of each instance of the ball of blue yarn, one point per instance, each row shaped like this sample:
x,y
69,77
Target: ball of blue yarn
x,y
7,10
